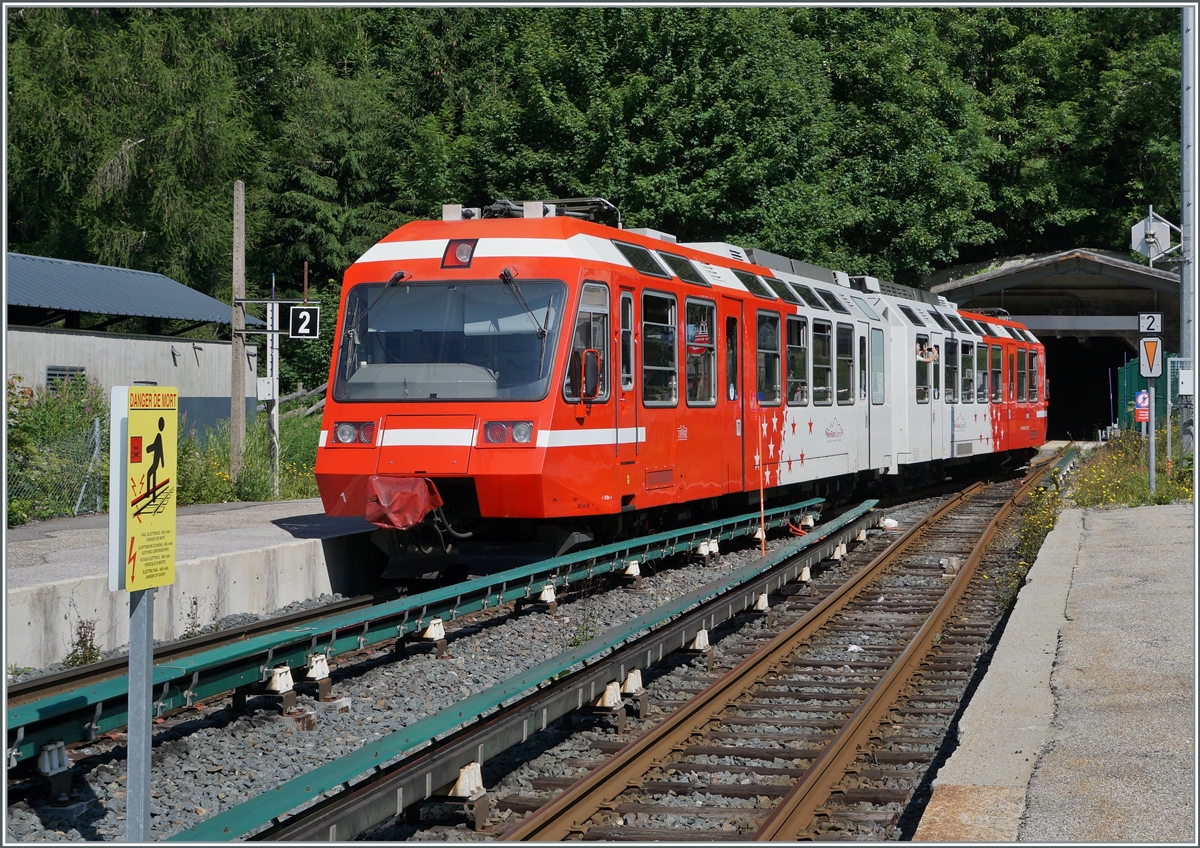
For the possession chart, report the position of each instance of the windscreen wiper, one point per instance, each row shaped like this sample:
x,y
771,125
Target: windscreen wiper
x,y
509,279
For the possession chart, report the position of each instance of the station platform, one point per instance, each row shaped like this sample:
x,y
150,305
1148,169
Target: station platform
x,y
1083,728
230,558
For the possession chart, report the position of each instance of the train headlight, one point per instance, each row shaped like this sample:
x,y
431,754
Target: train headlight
x,y
366,433
522,432
496,432
345,433
459,253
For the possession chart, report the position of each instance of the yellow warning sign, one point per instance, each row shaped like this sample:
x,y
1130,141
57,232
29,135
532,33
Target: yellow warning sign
x,y
150,501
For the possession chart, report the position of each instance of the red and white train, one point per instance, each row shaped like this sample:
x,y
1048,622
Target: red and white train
x,y
525,369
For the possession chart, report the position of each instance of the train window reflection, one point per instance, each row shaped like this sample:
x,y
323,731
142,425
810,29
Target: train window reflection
x,y
437,341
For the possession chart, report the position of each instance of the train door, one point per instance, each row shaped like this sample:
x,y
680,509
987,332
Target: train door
x,y
879,416
627,405
938,415
861,380
999,410
733,402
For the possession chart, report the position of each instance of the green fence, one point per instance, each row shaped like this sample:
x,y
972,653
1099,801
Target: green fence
x,y
1129,382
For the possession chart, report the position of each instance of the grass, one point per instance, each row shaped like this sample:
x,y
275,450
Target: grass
x,y
48,427
204,475
1118,475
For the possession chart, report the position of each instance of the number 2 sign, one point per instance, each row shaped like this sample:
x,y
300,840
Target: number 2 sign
x,y
306,322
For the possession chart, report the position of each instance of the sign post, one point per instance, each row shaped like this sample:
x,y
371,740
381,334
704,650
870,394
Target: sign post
x,y
143,440
304,324
1150,364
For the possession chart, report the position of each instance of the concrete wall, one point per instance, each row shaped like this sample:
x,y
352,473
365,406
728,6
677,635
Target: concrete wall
x,y
41,620
199,368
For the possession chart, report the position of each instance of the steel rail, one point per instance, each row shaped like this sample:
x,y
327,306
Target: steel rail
x,y
795,811
391,785
562,816
83,713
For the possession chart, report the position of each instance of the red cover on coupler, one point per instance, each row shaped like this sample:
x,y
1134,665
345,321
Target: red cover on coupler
x,y
397,503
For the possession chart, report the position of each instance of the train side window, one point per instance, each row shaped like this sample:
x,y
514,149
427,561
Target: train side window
x,y
845,364
822,363
768,358
1033,376
591,333
877,381
922,382
1021,366
641,259
660,368
1011,377
700,359
626,341
981,373
862,368
797,361
951,371
731,358
968,372
997,364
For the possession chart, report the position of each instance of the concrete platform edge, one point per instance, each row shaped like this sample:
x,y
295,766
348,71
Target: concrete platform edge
x,y
979,794
41,620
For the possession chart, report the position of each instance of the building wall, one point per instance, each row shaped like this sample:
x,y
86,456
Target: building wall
x,y
199,368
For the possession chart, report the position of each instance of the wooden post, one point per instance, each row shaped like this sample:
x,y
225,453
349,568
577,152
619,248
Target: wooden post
x,y
237,384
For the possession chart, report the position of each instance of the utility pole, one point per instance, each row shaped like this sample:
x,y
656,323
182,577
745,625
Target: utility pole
x,y
237,383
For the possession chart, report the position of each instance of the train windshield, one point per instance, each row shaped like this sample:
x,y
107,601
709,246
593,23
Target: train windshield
x,y
448,341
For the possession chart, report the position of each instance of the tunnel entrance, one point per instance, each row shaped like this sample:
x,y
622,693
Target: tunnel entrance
x,y
1083,383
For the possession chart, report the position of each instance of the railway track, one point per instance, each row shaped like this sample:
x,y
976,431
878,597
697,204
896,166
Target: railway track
x,y
433,752
826,729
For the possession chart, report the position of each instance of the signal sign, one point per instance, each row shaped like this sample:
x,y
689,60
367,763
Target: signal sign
x,y
305,323
1151,358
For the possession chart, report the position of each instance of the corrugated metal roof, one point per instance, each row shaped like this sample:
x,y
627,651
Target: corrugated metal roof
x,y
59,284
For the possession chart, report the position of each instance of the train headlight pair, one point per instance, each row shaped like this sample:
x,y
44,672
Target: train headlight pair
x,y
354,432
500,432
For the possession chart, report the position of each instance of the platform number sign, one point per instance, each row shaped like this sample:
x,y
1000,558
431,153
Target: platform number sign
x,y
1150,322
305,323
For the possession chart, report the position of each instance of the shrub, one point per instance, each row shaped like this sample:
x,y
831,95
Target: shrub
x,y
52,451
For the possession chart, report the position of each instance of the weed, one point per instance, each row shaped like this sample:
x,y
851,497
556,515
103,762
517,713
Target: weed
x,y
584,632
84,650
1118,474
194,624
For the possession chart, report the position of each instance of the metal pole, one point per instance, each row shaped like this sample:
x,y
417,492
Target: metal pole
x,y
1151,381
1187,223
141,672
1169,469
273,373
237,383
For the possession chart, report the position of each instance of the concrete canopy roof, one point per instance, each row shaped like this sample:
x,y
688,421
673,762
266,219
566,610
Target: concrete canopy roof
x,y
57,284
1076,292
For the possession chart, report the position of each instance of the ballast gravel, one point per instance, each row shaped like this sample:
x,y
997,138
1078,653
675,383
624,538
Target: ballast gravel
x,y
217,759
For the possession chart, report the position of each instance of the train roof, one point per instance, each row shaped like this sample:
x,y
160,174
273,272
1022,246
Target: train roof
x,y
572,237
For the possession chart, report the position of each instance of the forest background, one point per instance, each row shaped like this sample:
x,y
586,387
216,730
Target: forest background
x,y
888,141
